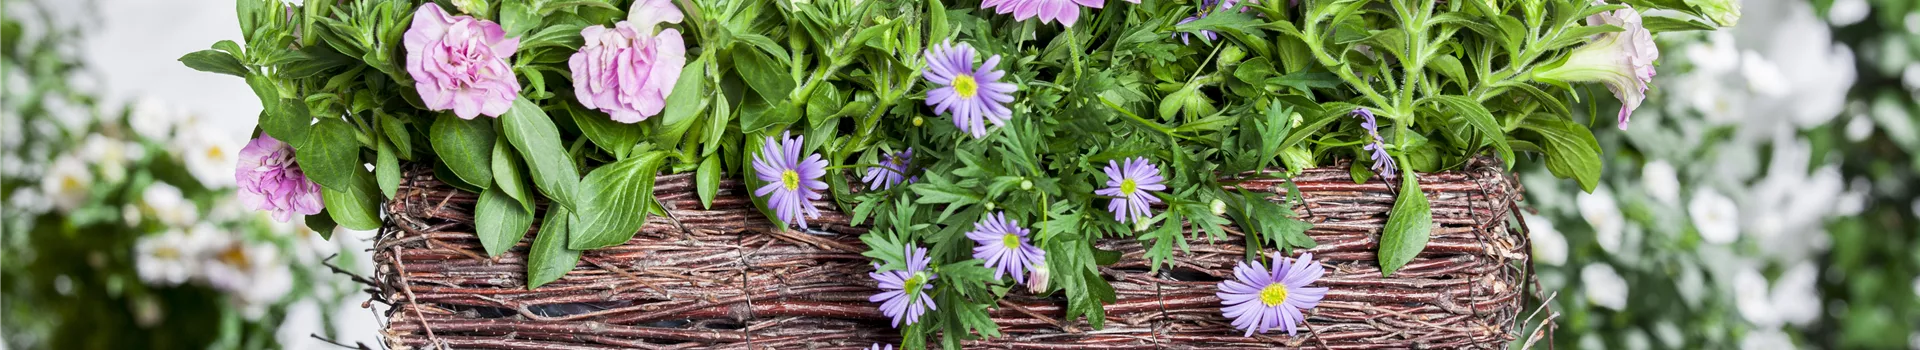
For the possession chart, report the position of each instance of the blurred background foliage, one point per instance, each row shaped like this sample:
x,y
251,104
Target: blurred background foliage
x,y
1764,199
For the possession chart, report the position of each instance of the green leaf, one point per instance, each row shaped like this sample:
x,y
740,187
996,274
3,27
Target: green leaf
x,y
617,197
322,224
1662,24
506,174
686,101
386,170
356,208
707,180
500,221
1481,121
284,119
767,77
214,61
549,259
1571,150
466,147
396,130
331,155
614,137
1408,226
517,17
538,140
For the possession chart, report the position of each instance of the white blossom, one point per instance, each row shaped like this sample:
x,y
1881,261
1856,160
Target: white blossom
x,y
168,258
1662,182
1603,213
67,183
211,155
1549,246
1767,339
1715,216
166,203
1603,287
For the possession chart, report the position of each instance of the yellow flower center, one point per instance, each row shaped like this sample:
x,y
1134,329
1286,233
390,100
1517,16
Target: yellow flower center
x,y
1012,241
1127,186
169,253
965,86
70,183
235,255
216,153
1274,294
791,179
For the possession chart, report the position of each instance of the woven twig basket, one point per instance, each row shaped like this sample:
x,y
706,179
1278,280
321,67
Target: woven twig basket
x,y
727,278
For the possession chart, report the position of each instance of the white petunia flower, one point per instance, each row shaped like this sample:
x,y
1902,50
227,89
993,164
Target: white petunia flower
x,y
1796,295
1752,299
1662,182
1847,12
1715,216
67,183
1549,247
1603,213
154,119
1604,288
252,274
211,155
1763,77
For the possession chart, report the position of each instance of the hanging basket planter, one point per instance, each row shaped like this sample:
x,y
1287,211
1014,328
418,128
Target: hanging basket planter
x,y
726,277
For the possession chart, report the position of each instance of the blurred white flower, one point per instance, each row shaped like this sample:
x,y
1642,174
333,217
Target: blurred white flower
x,y
1847,12
168,258
165,203
12,135
1859,128
211,155
29,201
1751,298
155,119
1767,339
252,274
1763,76
1715,216
1910,76
1789,206
1662,182
1716,56
67,183
1549,247
302,322
1822,70
1604,287
1603,213
110,156
309,247
1796,296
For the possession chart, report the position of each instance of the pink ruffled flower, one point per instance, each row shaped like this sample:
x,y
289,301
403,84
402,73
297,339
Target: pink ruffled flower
x,y
1623,61
628,71
460,63
271,181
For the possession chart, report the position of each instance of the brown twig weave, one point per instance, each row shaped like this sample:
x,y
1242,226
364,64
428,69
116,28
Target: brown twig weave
x,y
726,278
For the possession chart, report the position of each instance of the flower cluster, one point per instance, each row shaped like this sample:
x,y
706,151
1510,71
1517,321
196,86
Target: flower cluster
x,y
1066,11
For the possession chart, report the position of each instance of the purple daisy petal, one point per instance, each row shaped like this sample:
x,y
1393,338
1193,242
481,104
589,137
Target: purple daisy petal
x,y
974,95
1259,299
1130,182
1004,246
899,298
792,184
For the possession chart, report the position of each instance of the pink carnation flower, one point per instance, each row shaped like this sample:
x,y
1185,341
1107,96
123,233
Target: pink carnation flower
x,y
628,71
460,63
271,181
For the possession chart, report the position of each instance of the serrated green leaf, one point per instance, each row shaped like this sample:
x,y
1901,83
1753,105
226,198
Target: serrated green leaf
x,y
1409,225
466,147
533,134
617,196
549,258
500,221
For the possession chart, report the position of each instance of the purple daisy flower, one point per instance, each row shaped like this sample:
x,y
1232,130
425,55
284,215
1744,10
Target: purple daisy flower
x,y
903,293
1004,246
1382,162
1206,8
1259,299
1067,11
1129,184
892,170
792,184
972,93
876,346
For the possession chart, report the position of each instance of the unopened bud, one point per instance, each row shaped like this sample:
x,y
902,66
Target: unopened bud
x,y
1219,207
1037,279
917,121
1026,185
